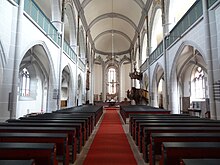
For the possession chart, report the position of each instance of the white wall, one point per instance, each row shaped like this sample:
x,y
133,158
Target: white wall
x,y
31,35
7,40
125,80
98,79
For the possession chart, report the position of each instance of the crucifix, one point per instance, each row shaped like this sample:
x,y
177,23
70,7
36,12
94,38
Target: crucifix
x,y
112,86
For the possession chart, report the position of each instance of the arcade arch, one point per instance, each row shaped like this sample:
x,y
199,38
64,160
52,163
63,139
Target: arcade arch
x,y
145,84
2,61
189,80
66,87
34,71
158,85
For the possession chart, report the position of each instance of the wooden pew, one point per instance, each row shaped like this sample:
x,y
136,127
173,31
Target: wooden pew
x,y
17,162
42,153
173,152
97,111
80,134
61,141
84,124
28,129
200,161
60,116
158,138
138,124
87,111
125,111
175,123
134,117
89,117
149,130
79,116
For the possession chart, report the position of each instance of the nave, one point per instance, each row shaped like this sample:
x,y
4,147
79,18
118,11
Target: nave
x,y
110,144
62,137
98,135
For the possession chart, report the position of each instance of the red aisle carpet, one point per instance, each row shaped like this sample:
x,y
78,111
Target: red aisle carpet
x,y
110,145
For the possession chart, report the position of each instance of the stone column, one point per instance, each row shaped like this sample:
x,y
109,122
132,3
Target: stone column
x,y
209,59
13,94
164,24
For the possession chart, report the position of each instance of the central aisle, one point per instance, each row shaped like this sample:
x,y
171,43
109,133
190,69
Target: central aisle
x,y
110,145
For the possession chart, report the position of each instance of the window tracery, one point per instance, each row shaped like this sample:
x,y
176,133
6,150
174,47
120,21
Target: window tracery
x,y
198,84
25,82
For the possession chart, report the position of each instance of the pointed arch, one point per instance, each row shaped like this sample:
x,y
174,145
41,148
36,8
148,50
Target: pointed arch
x,y
125,59
188,55
182,46
2,61
49,57
156,27
115,82
71,16
2,55
37,59
146,81
67,87
157,76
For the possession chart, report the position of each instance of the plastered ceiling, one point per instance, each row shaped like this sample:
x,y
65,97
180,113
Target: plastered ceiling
x,y
113,25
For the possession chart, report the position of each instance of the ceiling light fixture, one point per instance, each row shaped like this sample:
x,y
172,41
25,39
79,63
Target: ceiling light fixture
x,y
112,37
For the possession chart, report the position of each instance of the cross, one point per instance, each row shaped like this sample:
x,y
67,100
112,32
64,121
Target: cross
x,y
113,83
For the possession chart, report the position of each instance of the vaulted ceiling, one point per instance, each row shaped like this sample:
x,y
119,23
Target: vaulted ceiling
x,y
112,25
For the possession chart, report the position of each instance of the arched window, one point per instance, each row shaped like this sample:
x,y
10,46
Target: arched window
x,y
198,84
112,81
144,49
25,83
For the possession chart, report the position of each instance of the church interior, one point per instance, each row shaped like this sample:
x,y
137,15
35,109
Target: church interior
x,y
109,82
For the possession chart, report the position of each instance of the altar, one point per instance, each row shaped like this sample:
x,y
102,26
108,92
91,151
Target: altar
x,y
111,103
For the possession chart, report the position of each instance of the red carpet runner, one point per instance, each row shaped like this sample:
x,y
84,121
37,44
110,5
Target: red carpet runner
x,y
110,145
